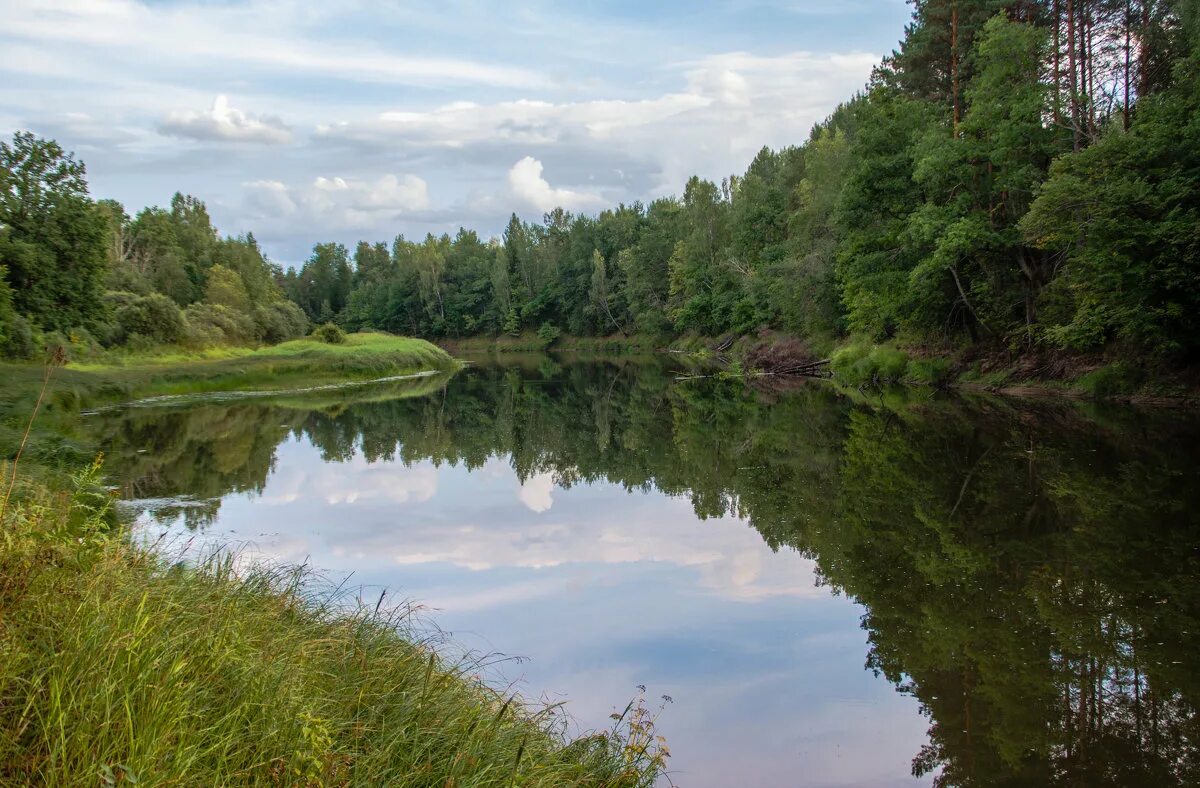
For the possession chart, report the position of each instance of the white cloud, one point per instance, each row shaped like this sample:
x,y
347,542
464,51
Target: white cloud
x,y
280,37
336,203
730,106
526,181
225,123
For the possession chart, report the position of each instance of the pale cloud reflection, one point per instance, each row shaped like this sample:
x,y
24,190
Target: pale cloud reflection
x,y
536,492
351,482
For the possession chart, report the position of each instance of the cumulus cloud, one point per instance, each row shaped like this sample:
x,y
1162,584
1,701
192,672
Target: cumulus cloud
x,y
526,181
731,104
224,123
336,202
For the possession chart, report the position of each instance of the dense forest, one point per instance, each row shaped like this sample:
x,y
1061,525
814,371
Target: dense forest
x,y
1018,175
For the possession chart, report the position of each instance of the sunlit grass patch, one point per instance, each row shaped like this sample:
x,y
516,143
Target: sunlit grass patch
x,y
117,666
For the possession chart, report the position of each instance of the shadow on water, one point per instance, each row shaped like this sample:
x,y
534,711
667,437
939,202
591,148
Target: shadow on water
x,y
1030,572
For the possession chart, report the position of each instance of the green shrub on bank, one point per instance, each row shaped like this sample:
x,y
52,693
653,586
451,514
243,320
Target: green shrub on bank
x,y
330,334
1116,378
154,317
213,324
859,364
927,371
117,668
548,333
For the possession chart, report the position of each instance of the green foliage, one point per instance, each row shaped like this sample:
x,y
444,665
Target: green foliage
x,y
51,236
279,321
155,318
927,371
123,668
330,334
213,324
548,333
1132,247
1117,378
861,364
985,188
8,315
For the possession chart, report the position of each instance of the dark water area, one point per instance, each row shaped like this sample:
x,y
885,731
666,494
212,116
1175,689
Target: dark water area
x,y
834,589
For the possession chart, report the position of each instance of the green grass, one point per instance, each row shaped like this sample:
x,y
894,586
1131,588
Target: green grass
x,y
116,378
859,364
117,667
531,342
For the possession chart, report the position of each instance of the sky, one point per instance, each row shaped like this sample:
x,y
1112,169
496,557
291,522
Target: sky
x,y
306,122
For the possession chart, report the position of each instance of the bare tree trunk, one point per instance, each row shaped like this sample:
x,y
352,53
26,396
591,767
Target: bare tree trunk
x,y
1072,68
1057,12
1128,24
954,62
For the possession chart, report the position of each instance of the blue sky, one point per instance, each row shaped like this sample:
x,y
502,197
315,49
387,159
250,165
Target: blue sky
x,y
306,121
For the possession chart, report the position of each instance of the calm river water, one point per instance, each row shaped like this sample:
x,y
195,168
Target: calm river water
x,y
878,589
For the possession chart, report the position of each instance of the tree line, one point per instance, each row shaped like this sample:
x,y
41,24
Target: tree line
x,y
1016,173
81,274
1021,175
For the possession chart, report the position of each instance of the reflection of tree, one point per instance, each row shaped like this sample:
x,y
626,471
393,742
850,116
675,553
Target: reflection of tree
x,y
1030,575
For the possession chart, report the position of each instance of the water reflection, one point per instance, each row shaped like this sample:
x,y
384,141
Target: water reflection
x,y
1027,575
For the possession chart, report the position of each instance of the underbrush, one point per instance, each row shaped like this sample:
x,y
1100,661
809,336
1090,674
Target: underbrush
x,y
117,667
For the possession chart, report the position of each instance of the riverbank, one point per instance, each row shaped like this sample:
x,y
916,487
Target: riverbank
x,y
1038,374
113,378
118,667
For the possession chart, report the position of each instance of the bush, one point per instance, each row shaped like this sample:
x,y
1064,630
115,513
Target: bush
x,y
1118,378
22,341
859,365
279,321
330,334
889,363
548,333
154,317
928,371
212,324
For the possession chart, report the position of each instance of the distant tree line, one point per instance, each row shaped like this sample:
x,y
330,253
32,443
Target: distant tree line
x,y
1016,173
82,274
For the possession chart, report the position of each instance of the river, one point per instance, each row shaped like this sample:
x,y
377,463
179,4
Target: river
x,y
831,588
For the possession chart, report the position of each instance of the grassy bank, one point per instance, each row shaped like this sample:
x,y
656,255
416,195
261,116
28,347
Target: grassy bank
x,y
114,378
530,342
117,667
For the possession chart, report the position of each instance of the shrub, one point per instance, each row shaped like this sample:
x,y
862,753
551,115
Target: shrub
x,y
22,340
1117,378
548,333
859,364
889,363
212,324
154,317
846,363
330,334
928,371
279,321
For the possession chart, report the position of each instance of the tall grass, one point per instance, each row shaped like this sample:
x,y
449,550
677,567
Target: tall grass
x,y
117,667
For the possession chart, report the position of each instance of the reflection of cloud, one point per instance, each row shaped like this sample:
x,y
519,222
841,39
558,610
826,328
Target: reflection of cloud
x,y
536,492
367,481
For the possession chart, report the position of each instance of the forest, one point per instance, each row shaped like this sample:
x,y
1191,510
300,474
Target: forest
x,y
1021,176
